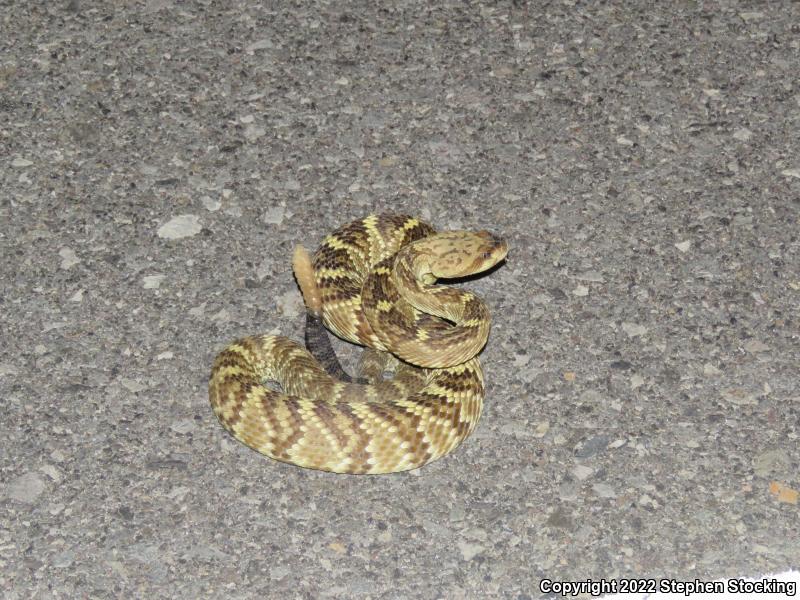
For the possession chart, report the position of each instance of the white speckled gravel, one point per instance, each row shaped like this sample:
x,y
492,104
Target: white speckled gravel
x,y
160,160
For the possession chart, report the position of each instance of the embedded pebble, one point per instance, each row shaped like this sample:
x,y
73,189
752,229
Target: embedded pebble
x,y
476,533
604,490
274,215
710,370
634,329
755,346
20,163
580,291
684,246
469,550
647,500
179,227
541,429
26,488
520,360
569,490
771,463
259,45
591,276
528,97
592,446
254,132
197,311
178,493
64,559
279,572
184,426
290,303
739,396
152,282
8,369
457,513
234,210
222,316
581,472
52,472
210,204
69,258
132,385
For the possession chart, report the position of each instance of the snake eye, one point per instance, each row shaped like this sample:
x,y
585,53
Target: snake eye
x,y
487,255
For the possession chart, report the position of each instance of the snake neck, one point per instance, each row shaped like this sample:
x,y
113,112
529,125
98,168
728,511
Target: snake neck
x,y
467,321
413,278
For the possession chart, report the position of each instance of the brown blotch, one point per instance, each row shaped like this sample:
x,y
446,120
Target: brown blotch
x,y
328,417
359,455
282,441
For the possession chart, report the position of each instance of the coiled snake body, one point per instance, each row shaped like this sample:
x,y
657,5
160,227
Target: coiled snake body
x,y
371,281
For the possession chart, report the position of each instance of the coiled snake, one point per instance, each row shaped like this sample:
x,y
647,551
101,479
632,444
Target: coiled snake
x,y
372,283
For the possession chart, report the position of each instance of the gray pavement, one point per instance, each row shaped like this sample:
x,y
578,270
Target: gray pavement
x,y
160,159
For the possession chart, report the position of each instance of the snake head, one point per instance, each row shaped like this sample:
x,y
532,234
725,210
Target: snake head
x,y
460,253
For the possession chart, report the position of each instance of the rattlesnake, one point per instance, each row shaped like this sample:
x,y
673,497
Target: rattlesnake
x,y
371,282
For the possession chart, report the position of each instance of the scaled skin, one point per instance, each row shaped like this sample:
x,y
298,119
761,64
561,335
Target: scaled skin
x,y
318,422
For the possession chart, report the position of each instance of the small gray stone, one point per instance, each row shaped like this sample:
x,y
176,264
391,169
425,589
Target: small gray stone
x,y
470,550
68,258
183,427
290,304
755,346
740,396
771,463
591,276
592,446
274,215
152,282
604,490
8,369
26,488
179,227
259,45
210,204
254,132
132,385
64,559
279,572
634,329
